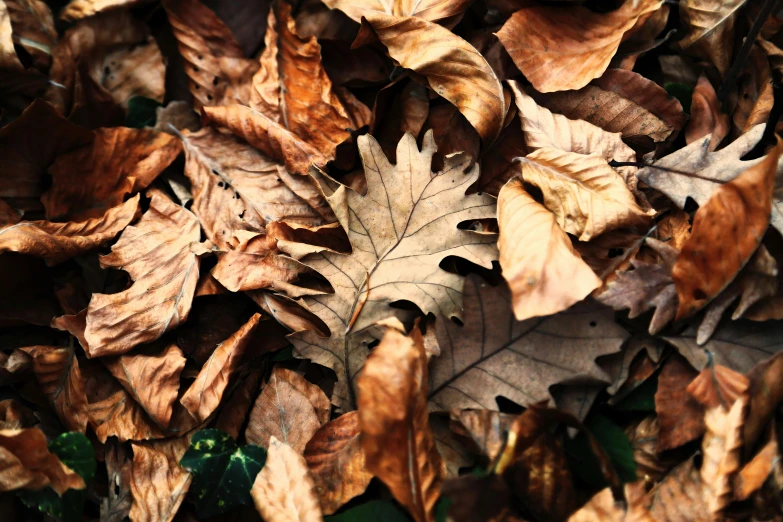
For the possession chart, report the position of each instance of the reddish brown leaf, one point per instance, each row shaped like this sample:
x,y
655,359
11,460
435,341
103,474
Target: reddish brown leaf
x,y
680,417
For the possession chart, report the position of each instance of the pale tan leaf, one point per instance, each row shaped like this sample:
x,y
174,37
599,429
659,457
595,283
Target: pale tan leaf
x,y
432,10
284,411
454,69
336,460
156,253
91,179
394,422
494,354
8,57
158,483
400,231
559,48
545,273
587,196
25,462
204,395
152,379
57,242
283,490
218,70
542,128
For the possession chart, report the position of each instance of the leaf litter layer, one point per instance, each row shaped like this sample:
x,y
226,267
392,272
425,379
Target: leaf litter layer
x,y
429,261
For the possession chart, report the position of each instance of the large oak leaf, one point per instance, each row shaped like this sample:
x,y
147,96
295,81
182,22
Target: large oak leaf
x,y
545,273
495,354
157,254
587,196
394,422
400,231
560,48
727,230
454,69
56,242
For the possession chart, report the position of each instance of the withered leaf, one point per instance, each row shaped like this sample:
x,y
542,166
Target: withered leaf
x,y
91,179
283,490
152,379
432,10
545,273
680,417
454,69
57,242
559,48
393,419
396,251
218,70
203,396
587,196
735,217
542,128
78,9
707,116
495,354
292,88
710,29
157,254
33,29
58,373
286,410
27,463
116,506
157,481
335,458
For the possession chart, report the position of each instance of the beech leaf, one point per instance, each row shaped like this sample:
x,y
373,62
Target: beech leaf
x,y
153,498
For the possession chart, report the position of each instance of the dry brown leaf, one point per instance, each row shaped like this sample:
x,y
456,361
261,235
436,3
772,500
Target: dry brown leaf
x,y
152,379
30,144
452,132
757,280
497,160
283,490
680,417
586,195
87,181
232,416
753,474
27,463
100,63
646,286
454,69
292,87
205,393
78,9
486,429
393,419
559,48
707,117
754,93
8,57
432,10
117,504
57,242
33,29
710,29
58,373
284,411
398,249
336,460
542,128
710,259
218,70
158,483
494,354
545,273
157,254
271,138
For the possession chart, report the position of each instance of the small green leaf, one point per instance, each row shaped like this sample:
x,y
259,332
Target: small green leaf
x,y
374,511
223,473
615,443
76,452
684,93
642,398
141,112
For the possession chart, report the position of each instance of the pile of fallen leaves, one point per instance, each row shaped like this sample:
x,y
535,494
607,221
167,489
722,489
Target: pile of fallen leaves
x,y
385,260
